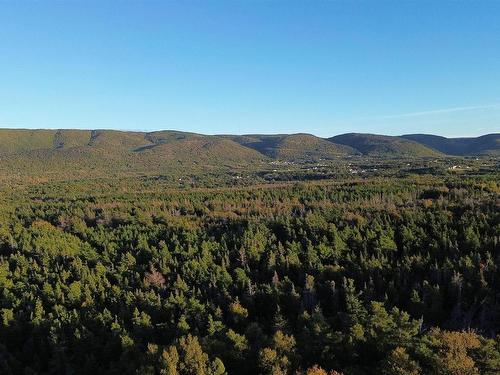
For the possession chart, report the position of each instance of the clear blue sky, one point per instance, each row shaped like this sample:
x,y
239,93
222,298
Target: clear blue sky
x,y
252,66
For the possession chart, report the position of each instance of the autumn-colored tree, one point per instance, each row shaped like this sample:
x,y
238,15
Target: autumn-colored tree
x,y
399,363
450,352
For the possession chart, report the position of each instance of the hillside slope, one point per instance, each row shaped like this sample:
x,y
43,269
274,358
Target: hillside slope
x,y
294,147
105,152
484,145
383,145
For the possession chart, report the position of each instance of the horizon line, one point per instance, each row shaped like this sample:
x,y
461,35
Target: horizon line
x,y
10,127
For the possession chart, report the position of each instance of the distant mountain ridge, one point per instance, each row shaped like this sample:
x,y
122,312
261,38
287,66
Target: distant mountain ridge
x,y
384,145
294,147
483,145
110,151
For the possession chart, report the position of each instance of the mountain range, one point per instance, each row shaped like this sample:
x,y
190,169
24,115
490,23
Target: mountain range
x,y
110,151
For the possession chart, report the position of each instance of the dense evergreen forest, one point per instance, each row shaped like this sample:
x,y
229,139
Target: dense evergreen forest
x,y
341,276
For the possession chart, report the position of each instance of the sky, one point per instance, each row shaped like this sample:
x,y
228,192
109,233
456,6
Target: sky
x,y
219,67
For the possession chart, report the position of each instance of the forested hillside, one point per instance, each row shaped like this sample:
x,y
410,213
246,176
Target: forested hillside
x,y
372,144
62,154
353,276
294,147
486,144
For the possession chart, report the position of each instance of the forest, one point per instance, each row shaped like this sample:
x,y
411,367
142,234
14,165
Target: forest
x,y
372,275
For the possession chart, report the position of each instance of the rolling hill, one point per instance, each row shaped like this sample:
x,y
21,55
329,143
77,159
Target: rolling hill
x,y
485,145
383,145
294,147
107,152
